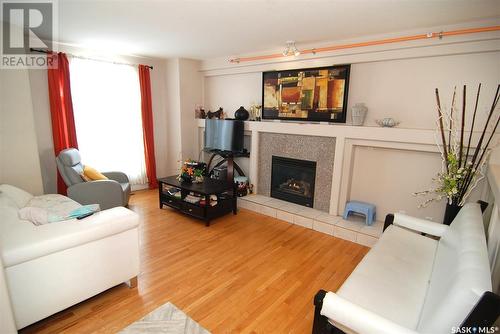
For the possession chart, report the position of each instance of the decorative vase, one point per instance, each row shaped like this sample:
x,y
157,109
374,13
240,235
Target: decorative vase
x,y
241,114
358,114
186,179
450,213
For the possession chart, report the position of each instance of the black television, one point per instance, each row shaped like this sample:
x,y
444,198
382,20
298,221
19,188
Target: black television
x,y
224,135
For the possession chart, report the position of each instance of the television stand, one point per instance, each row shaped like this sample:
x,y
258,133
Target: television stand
x,y
227,156
226,198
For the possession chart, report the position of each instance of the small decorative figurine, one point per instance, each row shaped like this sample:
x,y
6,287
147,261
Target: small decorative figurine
x,y
387,122
241,114
255,111
199,112
241,185
219,114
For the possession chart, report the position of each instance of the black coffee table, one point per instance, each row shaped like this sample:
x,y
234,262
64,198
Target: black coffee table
x,y
226,197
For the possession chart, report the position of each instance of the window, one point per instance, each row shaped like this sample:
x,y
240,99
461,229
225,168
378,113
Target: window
x,y
107,109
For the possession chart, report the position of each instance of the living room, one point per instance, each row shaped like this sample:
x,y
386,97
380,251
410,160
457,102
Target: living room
x,y
256,166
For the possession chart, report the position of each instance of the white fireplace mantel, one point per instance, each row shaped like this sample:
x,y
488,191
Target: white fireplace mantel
x,y
347,138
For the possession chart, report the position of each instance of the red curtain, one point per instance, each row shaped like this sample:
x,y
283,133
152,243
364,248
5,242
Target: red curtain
x,y
61,108
147,125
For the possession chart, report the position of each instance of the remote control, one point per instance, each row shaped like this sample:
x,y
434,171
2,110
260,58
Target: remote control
x,y
85,215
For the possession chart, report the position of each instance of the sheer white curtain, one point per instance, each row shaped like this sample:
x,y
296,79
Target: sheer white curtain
x,y
107,108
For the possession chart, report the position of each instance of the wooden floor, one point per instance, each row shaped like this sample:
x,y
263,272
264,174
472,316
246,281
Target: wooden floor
x,y
247,273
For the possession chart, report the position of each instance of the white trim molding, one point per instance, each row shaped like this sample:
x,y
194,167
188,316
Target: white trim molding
x,y
451,45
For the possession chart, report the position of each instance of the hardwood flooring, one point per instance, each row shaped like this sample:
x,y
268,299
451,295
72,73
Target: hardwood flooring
x,y
247,273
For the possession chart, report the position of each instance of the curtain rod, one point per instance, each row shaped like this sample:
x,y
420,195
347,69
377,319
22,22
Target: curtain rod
x,y
313,51
72,55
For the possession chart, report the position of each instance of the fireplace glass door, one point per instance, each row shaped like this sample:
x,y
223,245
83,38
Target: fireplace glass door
x,y
292,180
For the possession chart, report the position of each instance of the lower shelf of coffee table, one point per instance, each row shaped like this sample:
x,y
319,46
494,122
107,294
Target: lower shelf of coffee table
x,y
206,213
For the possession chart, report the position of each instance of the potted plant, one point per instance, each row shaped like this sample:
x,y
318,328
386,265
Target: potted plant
x,y
192,171
463,159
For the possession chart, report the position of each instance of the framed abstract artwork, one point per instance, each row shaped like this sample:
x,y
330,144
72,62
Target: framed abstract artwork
x,y
312,94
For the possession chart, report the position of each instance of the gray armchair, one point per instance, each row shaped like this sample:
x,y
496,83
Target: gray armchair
x,y
107,193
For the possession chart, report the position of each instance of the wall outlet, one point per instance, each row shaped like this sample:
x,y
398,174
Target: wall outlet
x,y
430,218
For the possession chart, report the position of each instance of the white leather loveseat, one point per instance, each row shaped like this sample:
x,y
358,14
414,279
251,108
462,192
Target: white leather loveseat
x,y
411,283
50,267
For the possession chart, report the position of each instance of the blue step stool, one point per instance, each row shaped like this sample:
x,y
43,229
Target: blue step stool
x,y
366,209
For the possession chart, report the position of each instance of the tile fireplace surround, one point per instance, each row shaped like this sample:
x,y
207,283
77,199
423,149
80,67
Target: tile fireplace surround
x,y
322,151
312,148
353,229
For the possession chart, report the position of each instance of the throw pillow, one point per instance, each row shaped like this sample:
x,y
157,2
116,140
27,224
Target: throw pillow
x,y
85,178
93,173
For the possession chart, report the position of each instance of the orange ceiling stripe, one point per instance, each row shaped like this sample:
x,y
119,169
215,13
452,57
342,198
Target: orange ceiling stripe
x,y
440,34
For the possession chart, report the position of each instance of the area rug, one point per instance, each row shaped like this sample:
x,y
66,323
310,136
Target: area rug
x,y
165,319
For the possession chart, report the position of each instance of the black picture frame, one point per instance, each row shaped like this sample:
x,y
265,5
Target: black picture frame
x,y
313,114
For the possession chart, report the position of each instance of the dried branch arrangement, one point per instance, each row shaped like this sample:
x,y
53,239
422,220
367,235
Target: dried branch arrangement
x,y
463,161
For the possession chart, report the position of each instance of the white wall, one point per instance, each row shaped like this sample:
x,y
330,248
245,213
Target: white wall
x,y
190,96
232,91
19,158
402,88
43,127
173,103
389,177
158,87
183,94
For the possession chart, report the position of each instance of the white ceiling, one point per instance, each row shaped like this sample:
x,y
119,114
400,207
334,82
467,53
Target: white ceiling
x,y
204,29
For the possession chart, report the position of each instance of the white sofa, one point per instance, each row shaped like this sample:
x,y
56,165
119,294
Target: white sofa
x,y
50,267
411,283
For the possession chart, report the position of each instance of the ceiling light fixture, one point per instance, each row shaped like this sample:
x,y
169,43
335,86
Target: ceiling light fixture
x,y
291,49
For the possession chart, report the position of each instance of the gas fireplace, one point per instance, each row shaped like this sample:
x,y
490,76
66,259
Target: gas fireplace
x,y
292,180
